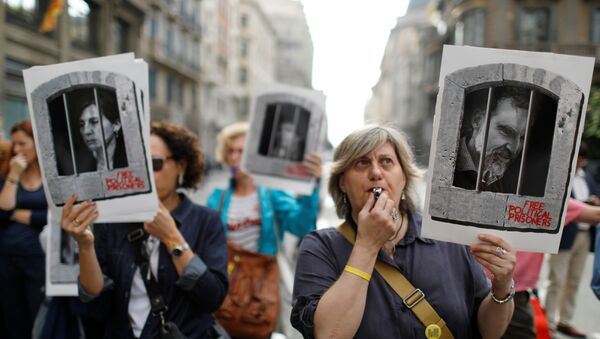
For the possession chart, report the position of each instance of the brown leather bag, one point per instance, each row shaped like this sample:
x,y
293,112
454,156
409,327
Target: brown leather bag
x,y
251,307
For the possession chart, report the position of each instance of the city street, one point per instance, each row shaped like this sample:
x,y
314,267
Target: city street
x,y
588,307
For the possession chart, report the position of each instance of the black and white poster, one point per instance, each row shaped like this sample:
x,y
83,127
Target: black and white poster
x,y
92,134
286,124
506,132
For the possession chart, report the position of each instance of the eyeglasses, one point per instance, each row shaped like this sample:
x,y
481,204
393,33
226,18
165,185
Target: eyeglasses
x,y
158,163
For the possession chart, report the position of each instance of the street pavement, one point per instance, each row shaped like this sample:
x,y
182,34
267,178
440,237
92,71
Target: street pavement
x,y
587,313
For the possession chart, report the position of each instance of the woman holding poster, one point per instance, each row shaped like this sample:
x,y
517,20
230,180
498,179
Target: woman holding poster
x,y
336,290
167,275
23,212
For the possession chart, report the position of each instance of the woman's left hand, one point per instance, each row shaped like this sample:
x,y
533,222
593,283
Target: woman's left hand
x,y
499,258
312,164
163,226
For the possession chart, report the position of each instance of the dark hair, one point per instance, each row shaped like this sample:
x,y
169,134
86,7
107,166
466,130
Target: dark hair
x,y
23,126
184,145
81,98
583,150
517,96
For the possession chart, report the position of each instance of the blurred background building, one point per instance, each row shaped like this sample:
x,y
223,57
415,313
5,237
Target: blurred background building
x,y
406,91
205,57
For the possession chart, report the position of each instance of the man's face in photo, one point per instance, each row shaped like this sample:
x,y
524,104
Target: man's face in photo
x,y
505,139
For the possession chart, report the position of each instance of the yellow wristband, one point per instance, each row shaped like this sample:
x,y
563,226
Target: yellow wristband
x,y
357,272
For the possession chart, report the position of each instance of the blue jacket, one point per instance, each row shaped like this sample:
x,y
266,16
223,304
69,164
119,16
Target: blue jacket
x,y
298,216
191,298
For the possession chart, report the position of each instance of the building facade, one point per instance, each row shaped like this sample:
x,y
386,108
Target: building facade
x,y
171,45
294,43
405,93
86,28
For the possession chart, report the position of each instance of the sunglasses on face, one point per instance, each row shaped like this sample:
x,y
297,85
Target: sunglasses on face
x,y
158,163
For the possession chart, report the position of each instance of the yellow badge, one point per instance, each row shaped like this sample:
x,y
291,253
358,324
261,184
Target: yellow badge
x,y
433,331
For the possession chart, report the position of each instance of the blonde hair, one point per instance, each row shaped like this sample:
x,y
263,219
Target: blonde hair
x,y
362,142
225,138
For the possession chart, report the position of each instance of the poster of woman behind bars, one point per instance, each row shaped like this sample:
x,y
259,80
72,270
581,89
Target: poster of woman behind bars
x,y
92,134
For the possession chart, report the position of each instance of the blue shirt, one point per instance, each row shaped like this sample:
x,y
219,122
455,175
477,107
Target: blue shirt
x,y
20,239
191,298
453,283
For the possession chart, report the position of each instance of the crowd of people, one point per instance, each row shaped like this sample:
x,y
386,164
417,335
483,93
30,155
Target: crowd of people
x,y
374,276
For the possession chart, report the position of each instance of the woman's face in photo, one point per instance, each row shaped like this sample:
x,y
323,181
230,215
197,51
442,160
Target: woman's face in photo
x,y
235,151
91,126
24,144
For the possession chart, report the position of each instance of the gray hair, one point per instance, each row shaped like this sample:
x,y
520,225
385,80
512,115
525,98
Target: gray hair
x,y
362,142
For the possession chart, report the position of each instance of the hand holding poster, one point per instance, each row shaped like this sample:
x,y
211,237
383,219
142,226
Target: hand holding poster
x,y
286,125
506,131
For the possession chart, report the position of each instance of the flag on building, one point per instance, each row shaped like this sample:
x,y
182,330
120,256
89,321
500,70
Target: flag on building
x,y
52,13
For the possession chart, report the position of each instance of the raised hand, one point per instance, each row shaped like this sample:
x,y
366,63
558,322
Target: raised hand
x,y
76,220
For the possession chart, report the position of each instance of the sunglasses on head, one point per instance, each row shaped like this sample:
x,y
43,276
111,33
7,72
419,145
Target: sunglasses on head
x,y
158,163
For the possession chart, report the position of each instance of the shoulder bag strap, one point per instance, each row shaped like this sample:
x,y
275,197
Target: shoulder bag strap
x,y
136,237
413,298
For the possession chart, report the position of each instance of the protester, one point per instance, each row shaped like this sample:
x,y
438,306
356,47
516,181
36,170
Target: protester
x,y
336,292
249,211
185,252
527,273
23,212
257,217
566,267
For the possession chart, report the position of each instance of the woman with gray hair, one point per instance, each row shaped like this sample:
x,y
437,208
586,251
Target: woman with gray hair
x,y
336,292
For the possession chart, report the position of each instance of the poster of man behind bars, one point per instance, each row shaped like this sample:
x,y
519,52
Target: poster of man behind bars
x,y
506,132
285,125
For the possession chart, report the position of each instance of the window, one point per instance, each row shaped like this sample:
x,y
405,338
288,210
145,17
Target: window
x,y
120,30
470,28
154,26
170,41
535,25
81,32
244,20
152,82
596,26
243,76
27,13
244,48
15,110
170,89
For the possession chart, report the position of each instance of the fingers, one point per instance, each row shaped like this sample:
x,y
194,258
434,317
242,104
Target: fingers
x,y
312,164
69,205
369,204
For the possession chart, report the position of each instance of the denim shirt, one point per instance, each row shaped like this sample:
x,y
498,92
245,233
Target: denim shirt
x,y
191,298
453,282
295,215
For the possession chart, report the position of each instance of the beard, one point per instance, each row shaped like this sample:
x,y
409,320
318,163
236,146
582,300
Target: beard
x,y
495,164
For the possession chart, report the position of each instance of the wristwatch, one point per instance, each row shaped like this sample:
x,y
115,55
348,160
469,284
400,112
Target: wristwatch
x,y
177,251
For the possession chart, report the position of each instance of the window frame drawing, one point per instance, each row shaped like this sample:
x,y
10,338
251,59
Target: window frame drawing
x,y
486,209
103,183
